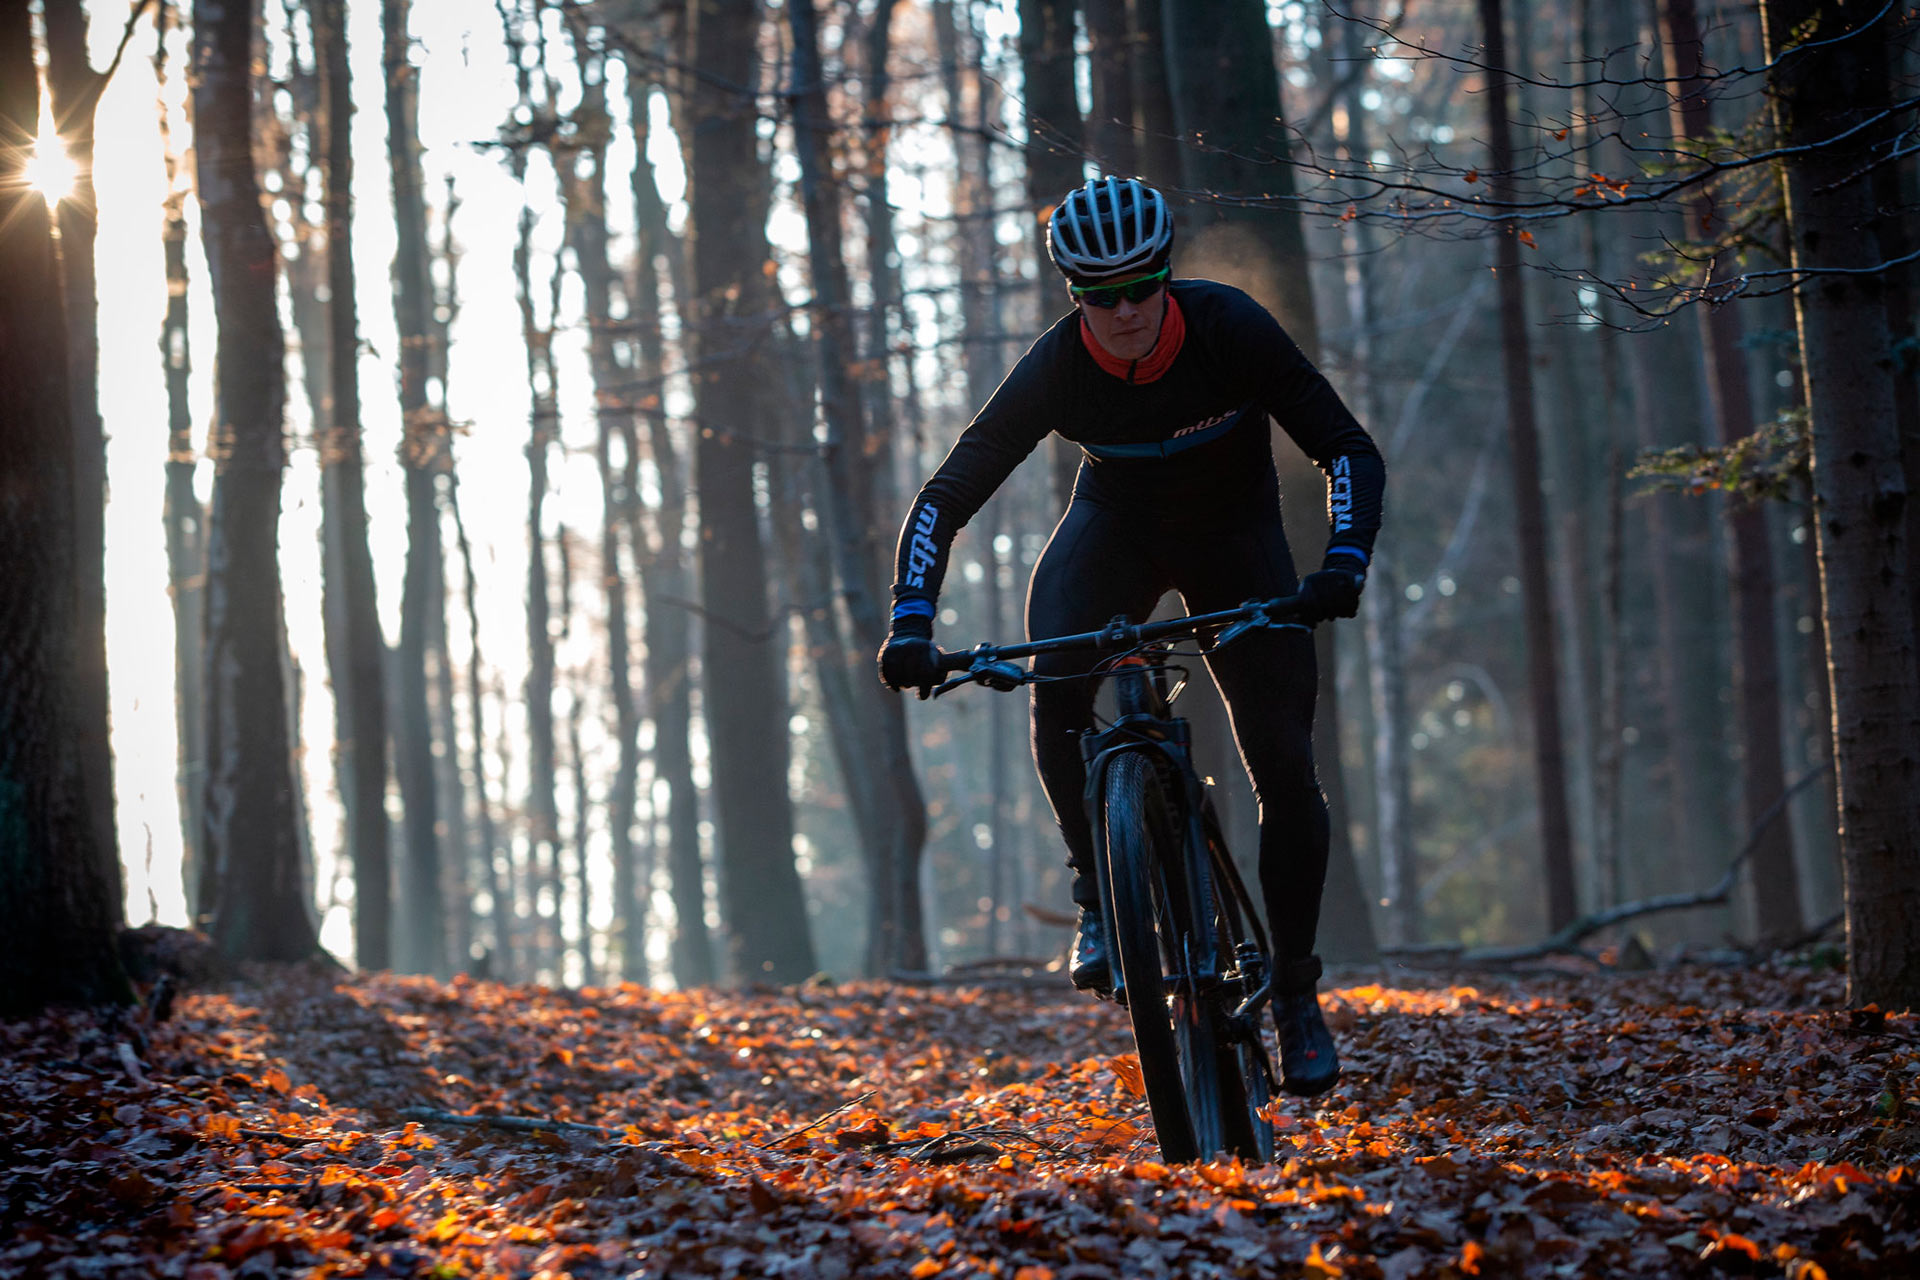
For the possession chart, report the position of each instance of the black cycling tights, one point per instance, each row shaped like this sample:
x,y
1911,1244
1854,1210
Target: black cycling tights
x,y
1101,563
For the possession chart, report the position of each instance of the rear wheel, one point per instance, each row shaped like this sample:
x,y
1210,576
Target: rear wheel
x,y
1179,1058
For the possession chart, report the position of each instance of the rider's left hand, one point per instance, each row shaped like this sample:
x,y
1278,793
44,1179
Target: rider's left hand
x,y
1333,592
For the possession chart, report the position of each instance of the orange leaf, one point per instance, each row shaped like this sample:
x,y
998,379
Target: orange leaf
x,y
276,1080
1110,1133
1740,1244
1126,1069
384,1218
1473,175
1526,238
1470,1255
1034,1273
924,1268
1318,1267
1149,1170
412,1137
447,1228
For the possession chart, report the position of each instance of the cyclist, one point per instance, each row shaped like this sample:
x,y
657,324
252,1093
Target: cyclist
x,y
1166,385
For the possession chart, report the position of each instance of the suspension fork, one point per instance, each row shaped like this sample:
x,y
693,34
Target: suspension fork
x,y
1167,738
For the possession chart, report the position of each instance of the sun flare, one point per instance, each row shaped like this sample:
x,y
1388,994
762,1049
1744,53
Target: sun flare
x,y
50,170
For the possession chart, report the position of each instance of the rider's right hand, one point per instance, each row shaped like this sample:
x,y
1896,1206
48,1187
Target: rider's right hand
x,y
908,660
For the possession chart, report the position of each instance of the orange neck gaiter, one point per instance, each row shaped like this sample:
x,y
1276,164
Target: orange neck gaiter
x,y
1173,332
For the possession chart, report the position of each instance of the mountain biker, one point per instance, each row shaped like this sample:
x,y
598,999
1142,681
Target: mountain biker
x,y
1166,385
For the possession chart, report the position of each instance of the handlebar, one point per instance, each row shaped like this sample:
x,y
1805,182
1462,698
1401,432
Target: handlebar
x,y
994,666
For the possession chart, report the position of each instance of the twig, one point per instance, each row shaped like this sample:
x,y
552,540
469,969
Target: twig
x,y
130,1061
851,1102
515,1124
267,1188
1806,938
1566,940
1041,981
972,1141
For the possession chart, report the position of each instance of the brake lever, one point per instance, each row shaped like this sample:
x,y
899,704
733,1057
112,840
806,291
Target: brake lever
x,y
1003,677
965,677
1235,631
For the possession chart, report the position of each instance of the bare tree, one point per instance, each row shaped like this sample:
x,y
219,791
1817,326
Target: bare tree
x,y
74,88
898,823
423,451
1556,842
1823,98
1056,152
254,883
182,514
585,198
666,578
744,696
1750,571
58,912
356,652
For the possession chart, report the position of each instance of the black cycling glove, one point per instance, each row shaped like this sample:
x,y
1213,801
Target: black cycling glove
x,y
1334,592
908,660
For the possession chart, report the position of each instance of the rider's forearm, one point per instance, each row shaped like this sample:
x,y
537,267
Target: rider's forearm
x,y
1356,485
980,461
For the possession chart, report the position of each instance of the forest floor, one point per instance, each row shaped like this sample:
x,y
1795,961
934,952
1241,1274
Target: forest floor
x,y
1685,1122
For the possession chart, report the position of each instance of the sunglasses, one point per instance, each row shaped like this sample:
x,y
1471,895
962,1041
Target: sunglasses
x,y
1108,296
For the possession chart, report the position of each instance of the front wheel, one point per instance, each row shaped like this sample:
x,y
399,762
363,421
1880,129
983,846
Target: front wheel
x,y
1180,1062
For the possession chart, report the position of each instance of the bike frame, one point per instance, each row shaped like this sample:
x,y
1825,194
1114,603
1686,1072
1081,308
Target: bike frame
x,y
1140,675
1208,874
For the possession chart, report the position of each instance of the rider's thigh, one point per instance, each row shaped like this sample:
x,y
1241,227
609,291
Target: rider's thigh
x,y
1095,568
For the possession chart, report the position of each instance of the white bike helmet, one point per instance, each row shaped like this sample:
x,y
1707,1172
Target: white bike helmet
x,y
1111,227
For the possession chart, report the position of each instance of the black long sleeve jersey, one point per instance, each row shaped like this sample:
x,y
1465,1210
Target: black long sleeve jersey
x,y
1193,440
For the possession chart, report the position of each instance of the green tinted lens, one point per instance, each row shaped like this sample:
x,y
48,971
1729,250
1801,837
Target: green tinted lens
x,y
1107,296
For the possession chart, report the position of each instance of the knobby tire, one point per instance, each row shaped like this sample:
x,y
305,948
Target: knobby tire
x,y
1179,1060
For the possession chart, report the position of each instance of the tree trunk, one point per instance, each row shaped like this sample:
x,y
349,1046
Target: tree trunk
x,y
1158,142
184,520
1110,136
1381,605
58,911
355,650
542,813
745,695
1055,158
1224,86
254,884
666,581
1860,490
1756,678
576,760
982,361
883,264
502,963
422,455
1556,838
899,819
587,215
75,90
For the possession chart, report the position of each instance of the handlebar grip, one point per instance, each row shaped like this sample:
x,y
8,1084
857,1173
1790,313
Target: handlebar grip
x,y
958,660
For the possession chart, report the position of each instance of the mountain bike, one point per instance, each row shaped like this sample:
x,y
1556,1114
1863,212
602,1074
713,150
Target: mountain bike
x,y
1189,956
